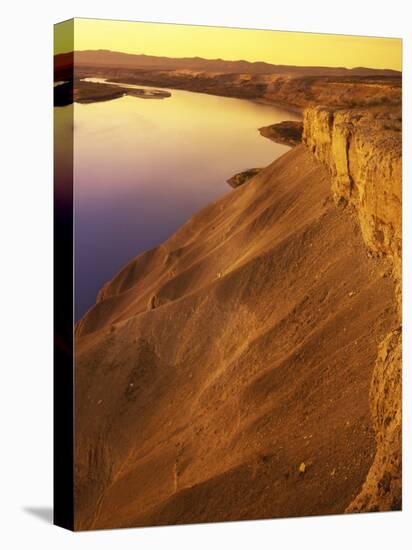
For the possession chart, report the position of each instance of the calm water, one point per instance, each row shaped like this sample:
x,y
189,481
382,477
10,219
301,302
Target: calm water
x,y
142,167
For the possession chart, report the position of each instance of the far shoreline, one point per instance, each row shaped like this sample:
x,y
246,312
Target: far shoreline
x,y
119,82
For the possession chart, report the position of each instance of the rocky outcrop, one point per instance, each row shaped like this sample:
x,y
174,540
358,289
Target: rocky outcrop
x,y
344,92
382,490
363,152
242,177
287,132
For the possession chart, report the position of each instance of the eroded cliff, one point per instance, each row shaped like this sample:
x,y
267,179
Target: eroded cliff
x,y
363,152
216,364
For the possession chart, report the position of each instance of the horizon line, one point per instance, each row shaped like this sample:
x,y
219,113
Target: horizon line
x,y
232,60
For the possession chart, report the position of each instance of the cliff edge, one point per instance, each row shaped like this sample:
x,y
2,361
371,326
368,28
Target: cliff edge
x,y
250,366
362,149
224,374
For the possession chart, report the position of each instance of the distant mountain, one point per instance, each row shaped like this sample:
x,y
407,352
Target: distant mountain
x,y
119,60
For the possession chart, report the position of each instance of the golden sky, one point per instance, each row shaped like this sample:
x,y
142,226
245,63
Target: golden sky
x,y
284,48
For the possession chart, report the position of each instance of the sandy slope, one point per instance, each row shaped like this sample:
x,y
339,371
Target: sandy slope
x,y
215,364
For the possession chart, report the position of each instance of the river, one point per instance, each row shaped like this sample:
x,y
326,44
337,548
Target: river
x,y
142,167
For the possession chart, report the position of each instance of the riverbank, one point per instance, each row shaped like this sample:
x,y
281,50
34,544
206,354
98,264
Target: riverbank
x,y
284,317
287,133
266,329
296,92
81,91
290,87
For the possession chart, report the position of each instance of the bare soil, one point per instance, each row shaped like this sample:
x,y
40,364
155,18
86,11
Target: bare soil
x,y
225,374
